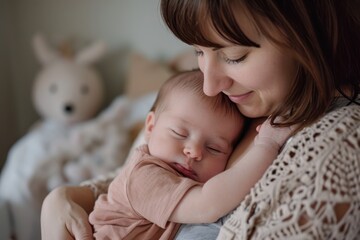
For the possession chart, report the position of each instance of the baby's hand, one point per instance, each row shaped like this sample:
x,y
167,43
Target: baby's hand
x,y
273,137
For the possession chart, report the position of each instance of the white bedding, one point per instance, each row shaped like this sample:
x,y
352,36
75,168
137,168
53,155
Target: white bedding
x,y
52,154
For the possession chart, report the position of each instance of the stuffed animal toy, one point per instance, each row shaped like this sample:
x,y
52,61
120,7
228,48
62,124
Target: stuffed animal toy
x,y
91,149
66,93
67,90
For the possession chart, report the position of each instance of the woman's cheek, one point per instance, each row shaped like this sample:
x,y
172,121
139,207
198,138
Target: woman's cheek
x,y
200,61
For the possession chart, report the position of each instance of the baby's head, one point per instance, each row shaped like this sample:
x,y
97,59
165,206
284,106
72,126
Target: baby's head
x,y
195,134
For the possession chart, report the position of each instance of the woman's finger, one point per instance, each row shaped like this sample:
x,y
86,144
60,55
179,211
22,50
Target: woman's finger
x,y
79,226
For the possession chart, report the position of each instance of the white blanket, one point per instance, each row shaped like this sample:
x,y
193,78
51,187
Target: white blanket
x,y
53,154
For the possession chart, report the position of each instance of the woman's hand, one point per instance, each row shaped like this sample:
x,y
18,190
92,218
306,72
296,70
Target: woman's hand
x,y
64,214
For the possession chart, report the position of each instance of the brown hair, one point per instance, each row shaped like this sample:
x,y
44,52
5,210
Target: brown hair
x,y
322,35
192,82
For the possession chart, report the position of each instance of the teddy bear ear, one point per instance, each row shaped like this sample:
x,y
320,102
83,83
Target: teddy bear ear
x,y
91,53
43,51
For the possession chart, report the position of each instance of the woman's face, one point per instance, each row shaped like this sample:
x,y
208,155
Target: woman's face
x,y
256,79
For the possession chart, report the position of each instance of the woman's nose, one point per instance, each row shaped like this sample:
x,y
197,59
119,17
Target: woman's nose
x,y
215,80
193,151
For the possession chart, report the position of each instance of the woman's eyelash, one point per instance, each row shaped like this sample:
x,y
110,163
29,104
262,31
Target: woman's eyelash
x,y
235,61
198,52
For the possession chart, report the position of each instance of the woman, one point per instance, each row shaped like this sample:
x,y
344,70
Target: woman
x,y
295,59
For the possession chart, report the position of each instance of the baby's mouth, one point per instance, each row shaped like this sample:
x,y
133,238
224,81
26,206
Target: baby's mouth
x,y
185,171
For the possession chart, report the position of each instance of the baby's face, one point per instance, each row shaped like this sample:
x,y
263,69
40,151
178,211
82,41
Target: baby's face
x,y
193,138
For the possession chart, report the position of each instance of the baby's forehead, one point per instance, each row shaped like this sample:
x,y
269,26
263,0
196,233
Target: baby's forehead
x,y
219,105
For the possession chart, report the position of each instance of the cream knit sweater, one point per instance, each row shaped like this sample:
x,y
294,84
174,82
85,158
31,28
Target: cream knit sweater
x,y
316,174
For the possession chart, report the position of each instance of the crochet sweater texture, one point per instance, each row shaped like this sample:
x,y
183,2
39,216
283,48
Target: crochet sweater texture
x,y
316,175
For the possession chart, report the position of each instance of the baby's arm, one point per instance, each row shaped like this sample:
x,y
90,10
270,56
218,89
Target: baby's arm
x,y
222,193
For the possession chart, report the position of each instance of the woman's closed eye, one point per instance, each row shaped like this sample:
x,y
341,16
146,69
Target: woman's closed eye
x,y
198,52
228,60
235,61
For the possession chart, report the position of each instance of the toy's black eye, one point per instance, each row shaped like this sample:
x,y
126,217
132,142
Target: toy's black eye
x,y
84,89
53,88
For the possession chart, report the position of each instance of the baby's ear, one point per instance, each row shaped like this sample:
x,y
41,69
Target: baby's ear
x,y
149,124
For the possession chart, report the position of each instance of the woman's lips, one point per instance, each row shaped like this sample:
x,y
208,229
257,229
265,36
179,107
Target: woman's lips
x,y
184,171
240,98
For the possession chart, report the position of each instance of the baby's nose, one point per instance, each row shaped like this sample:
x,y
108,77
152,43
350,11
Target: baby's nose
x,y
193,151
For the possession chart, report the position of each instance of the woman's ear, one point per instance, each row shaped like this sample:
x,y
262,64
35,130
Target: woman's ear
x,y
149,125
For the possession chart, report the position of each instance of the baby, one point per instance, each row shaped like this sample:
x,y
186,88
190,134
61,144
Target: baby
x,y
189,137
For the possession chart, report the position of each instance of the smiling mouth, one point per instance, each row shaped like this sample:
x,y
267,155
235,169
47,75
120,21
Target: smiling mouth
x,y
184,171
240,98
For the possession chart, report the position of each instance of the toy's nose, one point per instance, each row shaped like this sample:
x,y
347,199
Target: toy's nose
x,y
69,108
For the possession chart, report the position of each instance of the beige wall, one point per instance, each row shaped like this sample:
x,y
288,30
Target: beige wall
x,y
125,25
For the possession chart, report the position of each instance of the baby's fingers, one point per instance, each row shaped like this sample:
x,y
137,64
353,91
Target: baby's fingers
x,y
277,134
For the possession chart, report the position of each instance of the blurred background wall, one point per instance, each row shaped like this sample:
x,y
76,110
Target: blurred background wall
x,y
124,25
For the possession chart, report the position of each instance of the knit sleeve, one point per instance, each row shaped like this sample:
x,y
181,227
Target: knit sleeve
x,y
311,191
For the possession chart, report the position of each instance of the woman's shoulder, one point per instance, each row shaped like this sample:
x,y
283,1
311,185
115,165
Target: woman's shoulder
x,y
335,127
337,123
350,113
317,170
336,133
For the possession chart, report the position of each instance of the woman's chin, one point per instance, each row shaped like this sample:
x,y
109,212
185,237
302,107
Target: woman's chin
x,y
251,112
